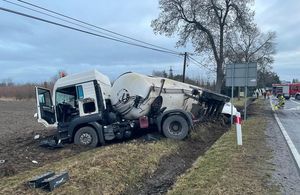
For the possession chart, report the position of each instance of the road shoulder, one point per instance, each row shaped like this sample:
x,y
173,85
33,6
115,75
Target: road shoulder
x,y
285,171
263,165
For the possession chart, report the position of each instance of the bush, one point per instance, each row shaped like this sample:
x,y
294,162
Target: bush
x,y
22,91
19,92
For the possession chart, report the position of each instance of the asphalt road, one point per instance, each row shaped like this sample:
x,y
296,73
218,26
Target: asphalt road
x,y
286,173
290,119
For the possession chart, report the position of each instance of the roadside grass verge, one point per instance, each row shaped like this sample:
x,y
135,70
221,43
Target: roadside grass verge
x,y
104,170
228,169
239,102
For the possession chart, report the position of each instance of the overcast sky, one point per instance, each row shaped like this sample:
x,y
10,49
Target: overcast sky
x,y
32,51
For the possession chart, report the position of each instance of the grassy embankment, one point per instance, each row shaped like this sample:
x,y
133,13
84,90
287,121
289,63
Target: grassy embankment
x,y
106,169
113,168
229,169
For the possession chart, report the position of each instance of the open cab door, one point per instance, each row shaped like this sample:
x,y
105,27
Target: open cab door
x,y
45,109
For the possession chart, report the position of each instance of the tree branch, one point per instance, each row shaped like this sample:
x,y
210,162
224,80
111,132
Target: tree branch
x,y
262,45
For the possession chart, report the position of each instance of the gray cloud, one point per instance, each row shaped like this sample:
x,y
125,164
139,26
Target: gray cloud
x,y
282,17
32,51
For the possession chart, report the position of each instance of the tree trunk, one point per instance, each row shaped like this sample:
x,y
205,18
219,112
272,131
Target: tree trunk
x,y
220,60
220,77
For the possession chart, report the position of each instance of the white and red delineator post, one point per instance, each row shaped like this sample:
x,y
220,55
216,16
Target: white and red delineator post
x,y
238,122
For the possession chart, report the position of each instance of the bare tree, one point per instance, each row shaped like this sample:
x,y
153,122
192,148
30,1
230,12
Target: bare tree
x,y
251,45
205,23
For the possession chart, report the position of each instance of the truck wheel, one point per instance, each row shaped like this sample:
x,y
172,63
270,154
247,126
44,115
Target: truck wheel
x,y
86,136
175,127
297,97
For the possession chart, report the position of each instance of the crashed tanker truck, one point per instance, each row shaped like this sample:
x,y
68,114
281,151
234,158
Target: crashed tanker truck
x,y
87,110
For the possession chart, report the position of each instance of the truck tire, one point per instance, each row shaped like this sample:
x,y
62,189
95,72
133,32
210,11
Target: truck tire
x,y
86,136
175,127
297,97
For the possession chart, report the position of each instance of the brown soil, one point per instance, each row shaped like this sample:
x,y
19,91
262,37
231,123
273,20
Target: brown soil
x,y
18,148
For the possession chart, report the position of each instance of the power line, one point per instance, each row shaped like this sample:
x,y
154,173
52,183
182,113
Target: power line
x,y
77,24
62,19
107,36
82,22
83,31
199,64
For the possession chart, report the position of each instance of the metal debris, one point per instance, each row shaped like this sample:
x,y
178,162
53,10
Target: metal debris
x,y
49,181
152,137
51,143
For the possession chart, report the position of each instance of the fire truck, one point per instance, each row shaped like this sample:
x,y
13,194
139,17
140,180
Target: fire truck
x,y
287,90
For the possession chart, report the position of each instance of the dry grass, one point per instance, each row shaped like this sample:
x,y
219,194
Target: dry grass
x,y
105,170
18,92
228,169
21,91
239,103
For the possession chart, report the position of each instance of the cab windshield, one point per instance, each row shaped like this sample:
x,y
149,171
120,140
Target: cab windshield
x,y
66,104
66,95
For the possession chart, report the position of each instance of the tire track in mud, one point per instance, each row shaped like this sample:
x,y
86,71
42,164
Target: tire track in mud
x,y
175,164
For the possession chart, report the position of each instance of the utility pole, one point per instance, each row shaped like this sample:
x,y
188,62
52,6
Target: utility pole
x,y
184,66
171,72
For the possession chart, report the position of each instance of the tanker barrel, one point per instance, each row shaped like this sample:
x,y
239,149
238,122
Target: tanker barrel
x,y
213,108
215,102
219,109
209,107
209,95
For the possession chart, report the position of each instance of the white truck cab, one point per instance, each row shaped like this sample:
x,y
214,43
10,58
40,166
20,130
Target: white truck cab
x,y
73,95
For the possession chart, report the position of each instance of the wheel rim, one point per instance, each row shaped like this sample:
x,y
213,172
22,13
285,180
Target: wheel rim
x,y
86,139
175,128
